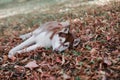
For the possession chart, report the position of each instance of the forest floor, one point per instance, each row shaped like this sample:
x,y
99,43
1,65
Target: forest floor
x,y
97,57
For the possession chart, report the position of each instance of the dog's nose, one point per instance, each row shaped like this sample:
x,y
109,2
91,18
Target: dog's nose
x,y
56,50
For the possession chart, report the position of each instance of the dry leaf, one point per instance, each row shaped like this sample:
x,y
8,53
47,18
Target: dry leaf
x,y
20,69
103,75
107,61
58,60
77,20
31,65
5,58
65,76
36,76
63,59
93,51
98,30
108,37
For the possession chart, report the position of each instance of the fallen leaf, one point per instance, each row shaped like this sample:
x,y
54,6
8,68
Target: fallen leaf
x,y
5,58
19,69
108,37
63,59
93,51
31,65
1,60
36,76
103,75
107,61
58,60
40,70
65,76
52,78
76,20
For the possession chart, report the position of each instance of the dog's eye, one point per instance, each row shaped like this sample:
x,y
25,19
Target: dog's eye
x,y
60,40
66,44
62,34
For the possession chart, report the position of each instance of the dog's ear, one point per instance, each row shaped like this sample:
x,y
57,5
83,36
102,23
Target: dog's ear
x,y
76,42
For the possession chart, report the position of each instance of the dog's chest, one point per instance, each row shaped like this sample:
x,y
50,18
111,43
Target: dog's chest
x,y
43,39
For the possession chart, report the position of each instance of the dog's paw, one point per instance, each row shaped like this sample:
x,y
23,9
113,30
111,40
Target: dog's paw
x,y
11,53
22,37
12,57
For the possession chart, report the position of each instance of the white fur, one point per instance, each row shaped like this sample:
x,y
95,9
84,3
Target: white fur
x,y
39,38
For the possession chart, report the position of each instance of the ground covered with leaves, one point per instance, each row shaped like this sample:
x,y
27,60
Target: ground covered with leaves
x,y
97,57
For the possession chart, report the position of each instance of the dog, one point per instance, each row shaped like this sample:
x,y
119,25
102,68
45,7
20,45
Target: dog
x,y
50,34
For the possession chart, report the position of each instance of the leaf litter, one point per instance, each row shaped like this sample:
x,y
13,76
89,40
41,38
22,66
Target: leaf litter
x,y
97,57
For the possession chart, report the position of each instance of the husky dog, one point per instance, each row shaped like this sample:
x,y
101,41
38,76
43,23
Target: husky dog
x,y
51,34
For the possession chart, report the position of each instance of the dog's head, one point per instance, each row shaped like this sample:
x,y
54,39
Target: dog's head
x,y
64,39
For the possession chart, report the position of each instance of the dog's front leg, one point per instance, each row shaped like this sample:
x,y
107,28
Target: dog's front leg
x,y
26,43
26,36
30,48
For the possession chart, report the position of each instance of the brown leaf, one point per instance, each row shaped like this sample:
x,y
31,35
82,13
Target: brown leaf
x,y
36,76
65,76
58,60
76,21
103,75
108,37
19,69
93,51
63,59
107,61
5,58
31,65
